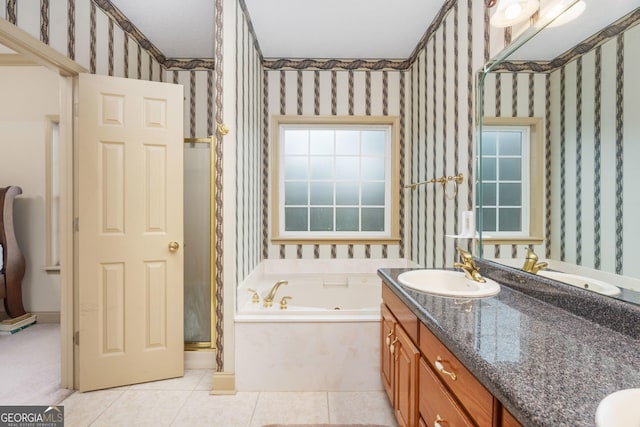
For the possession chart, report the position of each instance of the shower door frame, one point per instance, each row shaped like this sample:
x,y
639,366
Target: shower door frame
x,y
208,345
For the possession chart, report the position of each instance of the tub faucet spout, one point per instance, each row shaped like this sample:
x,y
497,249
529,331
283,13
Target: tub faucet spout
x,y
268,300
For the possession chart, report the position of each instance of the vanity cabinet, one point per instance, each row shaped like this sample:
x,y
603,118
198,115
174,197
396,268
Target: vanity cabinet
x,y
473,397
399,369
437,406
426,384
387,329
509,420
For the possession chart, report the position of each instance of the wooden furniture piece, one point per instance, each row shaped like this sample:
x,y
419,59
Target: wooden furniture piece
x,y
426,383
13,268
399,358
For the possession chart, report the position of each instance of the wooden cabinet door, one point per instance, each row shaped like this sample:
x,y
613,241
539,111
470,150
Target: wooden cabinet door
x,y
387,329
407,357
509,420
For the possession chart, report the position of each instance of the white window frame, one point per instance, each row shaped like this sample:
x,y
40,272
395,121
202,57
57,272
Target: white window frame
x,y
53,182
532,200
391,221
524,180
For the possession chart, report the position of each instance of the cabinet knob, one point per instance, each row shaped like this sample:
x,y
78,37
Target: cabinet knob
x,y
388,340
440,368
438,420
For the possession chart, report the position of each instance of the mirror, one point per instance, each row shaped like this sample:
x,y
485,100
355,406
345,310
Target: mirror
x,y
575,88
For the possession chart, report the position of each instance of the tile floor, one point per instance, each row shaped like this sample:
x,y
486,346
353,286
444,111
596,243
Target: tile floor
x,y
186,402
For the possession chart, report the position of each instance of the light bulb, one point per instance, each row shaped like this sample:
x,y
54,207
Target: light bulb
x,y
559,18
512,11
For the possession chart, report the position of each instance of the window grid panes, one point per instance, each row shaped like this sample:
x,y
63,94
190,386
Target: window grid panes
x,y
505,172
335,180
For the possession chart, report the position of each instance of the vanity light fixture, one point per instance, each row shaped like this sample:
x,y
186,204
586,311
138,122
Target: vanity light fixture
x,y
512,12
556,15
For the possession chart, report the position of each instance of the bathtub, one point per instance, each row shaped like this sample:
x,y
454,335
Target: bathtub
x,y
328,338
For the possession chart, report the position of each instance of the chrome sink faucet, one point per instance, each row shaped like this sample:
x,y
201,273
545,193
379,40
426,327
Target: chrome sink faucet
x,y
268,300
531,264
468,265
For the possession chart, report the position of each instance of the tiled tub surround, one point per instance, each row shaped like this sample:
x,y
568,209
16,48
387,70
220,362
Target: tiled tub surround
x,y
549,352
306,348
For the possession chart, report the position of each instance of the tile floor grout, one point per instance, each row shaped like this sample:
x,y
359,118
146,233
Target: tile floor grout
x,y
182,406
143,402
186,401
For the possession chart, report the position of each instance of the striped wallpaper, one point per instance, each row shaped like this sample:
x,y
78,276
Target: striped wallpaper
x,y
249,140
591,150
85,33
329,93
511,94
441,131
97,36
434,99
441,144
432,93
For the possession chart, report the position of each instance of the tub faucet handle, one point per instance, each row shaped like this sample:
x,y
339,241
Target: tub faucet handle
x,y
283,302
255,298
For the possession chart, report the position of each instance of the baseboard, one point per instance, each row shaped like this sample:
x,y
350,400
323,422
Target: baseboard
x,y
223,383
43,316
47,316
199,359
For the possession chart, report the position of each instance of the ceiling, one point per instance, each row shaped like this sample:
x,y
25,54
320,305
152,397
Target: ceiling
x,y
552,42
363,29
340,29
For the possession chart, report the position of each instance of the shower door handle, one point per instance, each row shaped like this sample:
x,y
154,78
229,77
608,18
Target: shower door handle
x,y
174,246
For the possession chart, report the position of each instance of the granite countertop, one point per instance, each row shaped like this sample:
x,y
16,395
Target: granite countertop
x,y
548,365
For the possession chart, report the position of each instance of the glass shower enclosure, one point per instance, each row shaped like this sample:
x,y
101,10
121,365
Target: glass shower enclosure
x,y
199,295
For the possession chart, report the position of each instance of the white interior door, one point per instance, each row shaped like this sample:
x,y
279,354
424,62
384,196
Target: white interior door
x,y
130,231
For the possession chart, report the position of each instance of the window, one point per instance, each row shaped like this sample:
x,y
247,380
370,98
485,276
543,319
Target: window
x,y
511,179
53,193
335,179
504,171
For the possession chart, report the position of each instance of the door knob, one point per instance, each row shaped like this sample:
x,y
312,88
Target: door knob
x,y
174,246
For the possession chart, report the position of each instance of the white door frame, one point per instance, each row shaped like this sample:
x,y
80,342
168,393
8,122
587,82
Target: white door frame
x,y
39,53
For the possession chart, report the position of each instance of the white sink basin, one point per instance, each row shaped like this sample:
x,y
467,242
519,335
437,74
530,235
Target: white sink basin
x,y
582,282
619,409
447,283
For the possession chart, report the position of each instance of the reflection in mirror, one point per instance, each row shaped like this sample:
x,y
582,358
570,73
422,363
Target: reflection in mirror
x,y
587,96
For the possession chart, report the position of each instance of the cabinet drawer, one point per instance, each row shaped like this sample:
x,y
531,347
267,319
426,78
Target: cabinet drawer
x,y
435,404
405,317
476,399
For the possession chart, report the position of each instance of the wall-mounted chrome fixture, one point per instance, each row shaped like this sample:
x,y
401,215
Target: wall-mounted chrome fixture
x,y
456,179
512,12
